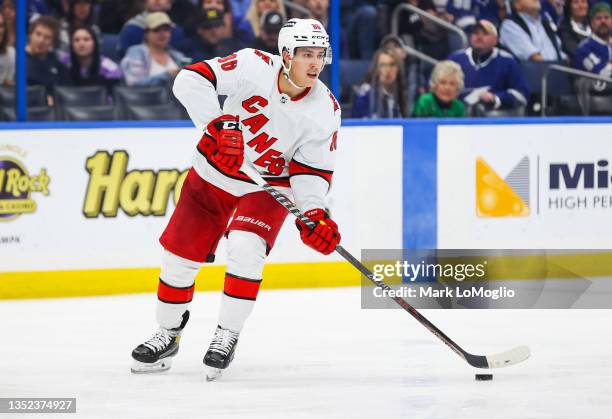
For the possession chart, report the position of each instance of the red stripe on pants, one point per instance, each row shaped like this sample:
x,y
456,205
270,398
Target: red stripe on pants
x,y
173,295
245,289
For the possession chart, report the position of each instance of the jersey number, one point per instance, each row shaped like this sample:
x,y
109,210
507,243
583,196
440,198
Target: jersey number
x,y
228,63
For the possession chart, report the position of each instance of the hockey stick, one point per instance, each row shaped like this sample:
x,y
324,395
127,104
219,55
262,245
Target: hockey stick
x,y
503,359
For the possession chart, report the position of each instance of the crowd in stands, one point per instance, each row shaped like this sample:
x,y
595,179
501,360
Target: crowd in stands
x,y
489,76
146,42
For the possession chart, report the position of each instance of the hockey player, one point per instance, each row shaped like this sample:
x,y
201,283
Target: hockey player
x,y
283,119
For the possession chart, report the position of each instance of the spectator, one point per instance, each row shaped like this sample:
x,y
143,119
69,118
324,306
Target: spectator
x,y
318,10
209,41
240,9
553,10
80,13
133,31
415,80
37,8
493,78
42,65
181,11
228,20
153,63
441,102
7,56
267,40
115,13
257,10
396,44
8,11
362,33
84,65
530,36
381,95
575,25
466,13
594,54
429,37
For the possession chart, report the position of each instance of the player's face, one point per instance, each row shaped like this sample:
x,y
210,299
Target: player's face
x,y
387,69
446,89
306,66
482,40
601,24
83,43
579,9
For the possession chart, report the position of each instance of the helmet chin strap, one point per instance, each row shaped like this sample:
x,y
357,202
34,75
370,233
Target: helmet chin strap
x,y
286,74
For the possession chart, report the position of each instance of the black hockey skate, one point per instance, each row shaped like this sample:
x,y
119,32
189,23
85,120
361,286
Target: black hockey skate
x,y
220,353
155,355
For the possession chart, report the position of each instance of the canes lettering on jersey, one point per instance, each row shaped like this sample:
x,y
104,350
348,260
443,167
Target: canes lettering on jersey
x,y
262,142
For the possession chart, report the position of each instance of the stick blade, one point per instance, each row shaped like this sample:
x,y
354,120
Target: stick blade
x,y
511,357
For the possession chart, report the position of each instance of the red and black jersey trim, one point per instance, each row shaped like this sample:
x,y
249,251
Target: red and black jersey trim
x,y
205,70
240,287
174,295
206,146
300,169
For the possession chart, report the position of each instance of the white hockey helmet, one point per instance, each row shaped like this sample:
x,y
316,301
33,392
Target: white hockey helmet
x,y
298,33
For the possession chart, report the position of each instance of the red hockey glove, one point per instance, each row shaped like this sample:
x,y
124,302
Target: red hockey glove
x,y
324,237
227,134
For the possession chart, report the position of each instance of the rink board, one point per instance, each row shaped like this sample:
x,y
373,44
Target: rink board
x,y
397,184
96,197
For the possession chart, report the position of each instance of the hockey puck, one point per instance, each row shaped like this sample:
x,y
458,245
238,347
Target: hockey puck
x,y
484,377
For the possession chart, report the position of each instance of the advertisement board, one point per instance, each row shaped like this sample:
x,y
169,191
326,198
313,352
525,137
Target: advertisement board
x,y
99,198
524,186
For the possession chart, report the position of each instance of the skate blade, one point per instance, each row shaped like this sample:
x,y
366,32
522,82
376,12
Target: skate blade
x,y
145,368
213,373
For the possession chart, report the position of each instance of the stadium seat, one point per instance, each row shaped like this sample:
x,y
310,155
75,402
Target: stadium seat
x,y
558,83
90,113
600,105
565,105
80,96
109,46
351,72
166,111
37,96
499,113
149,95
34,113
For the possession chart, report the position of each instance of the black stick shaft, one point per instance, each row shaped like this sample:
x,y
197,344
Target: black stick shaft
x,y
286,202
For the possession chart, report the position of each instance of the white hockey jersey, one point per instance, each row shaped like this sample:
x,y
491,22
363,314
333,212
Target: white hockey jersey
x,y
291,141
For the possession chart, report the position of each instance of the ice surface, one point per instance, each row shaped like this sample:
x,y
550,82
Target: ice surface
x,y
308,353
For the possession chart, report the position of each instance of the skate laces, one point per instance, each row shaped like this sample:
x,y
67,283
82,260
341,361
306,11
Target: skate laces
x,y
160,340
223,341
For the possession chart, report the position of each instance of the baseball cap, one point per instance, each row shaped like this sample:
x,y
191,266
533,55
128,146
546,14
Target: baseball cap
x,y
486,26
272,21
211,18
157,19
600,7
